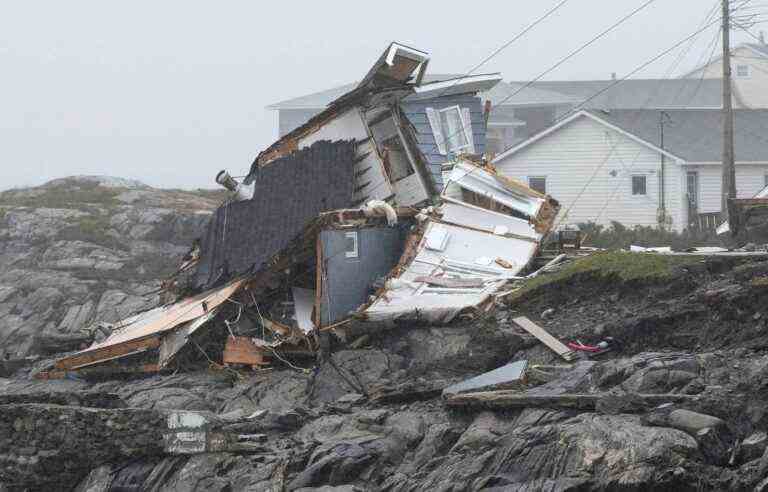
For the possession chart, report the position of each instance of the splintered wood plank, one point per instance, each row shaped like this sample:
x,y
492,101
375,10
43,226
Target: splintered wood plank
x,y
242,350
107,353
544,337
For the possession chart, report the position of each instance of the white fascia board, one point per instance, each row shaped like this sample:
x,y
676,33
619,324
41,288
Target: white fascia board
x,y
459,85
396,49
593,117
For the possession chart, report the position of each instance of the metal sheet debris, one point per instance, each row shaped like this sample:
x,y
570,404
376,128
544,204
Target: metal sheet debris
x,y
509,376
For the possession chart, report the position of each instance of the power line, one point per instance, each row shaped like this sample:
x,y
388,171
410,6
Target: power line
x,y
630,74
508,43
578,50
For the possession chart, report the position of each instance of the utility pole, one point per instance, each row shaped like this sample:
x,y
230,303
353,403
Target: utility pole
x,y
729,171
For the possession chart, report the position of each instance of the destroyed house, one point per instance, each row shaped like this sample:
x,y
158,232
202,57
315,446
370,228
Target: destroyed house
x,y
379,210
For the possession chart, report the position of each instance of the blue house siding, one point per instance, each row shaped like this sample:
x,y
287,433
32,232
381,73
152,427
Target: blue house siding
x,y
416,112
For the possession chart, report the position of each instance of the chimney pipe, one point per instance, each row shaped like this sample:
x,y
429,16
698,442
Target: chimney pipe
x,y
239,191
762,37
613,75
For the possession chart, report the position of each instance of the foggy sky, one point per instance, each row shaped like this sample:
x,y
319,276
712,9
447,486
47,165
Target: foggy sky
x,y
170,92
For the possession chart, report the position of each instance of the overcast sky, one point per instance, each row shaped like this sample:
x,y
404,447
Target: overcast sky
x,y
170,92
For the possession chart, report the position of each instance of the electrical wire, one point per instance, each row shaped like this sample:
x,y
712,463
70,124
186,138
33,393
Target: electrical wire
x,y
633,72
508,43
578,50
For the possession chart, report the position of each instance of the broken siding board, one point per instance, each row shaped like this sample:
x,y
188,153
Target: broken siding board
x,y
544,337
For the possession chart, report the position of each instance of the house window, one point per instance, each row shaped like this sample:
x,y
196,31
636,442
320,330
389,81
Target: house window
x,y
538,183
638,185
742,71
350,245
454,129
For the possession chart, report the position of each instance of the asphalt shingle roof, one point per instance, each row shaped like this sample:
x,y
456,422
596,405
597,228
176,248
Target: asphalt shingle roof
x,y
288,194
640,93
696,135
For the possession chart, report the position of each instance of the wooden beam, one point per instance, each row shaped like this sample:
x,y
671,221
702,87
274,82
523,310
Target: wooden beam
x,y
516,399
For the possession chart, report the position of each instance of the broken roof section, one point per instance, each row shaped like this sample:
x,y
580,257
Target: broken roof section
x,y
397,65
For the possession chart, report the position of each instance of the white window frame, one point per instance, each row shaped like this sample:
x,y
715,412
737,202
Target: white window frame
x,y
538,177
632,185
747,74
355,253
466,127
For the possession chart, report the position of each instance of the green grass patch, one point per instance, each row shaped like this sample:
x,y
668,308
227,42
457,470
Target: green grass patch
x,y
621,266
71,196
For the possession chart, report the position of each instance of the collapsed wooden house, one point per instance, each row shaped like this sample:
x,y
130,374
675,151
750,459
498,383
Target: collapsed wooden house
x,y
379,210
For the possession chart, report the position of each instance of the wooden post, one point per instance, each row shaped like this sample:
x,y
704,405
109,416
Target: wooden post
x,y
729,171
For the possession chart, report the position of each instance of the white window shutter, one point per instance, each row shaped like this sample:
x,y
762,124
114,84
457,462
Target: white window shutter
x,y
466,121
434,122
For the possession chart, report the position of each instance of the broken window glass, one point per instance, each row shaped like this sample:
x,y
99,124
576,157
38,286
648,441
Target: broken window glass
x,y
638,185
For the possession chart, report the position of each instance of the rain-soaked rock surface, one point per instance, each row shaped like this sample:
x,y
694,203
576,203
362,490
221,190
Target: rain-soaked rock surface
x,y
699,331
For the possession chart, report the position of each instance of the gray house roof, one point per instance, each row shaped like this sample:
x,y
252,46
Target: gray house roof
x,y
629,94
696,135
640,93
760,48
513,94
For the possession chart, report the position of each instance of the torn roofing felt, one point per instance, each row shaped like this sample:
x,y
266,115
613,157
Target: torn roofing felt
x,y
288,194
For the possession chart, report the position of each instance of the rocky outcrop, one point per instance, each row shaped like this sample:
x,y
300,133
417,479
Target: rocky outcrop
x,y
85,249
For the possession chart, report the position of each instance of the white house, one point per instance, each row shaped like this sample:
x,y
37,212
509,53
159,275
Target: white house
x,y
749,72
608,166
